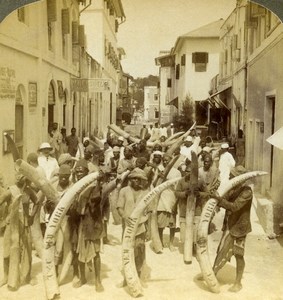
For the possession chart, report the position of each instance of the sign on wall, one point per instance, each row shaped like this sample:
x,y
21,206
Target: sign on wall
x,y
32,94
7,83
95,85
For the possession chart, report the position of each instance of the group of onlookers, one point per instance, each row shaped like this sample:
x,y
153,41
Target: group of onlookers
x,y
64,160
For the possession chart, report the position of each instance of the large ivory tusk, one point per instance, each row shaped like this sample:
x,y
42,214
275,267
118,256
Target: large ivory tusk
x,y
190,211
48,266
123,133
15,252
40,182
35,229
13,147
129,238
174,136
202,231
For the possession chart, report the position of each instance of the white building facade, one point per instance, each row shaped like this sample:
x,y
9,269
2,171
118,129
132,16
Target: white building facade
x,y
39,52
151,104
101,22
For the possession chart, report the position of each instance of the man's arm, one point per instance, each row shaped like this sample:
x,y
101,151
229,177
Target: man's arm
x,y
121,203
4,197
245,196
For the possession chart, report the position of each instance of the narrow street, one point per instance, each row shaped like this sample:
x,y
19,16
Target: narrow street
x,y
198,87
167,277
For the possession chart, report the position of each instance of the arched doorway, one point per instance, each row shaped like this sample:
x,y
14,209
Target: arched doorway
x,y
19,120
51,104
65,107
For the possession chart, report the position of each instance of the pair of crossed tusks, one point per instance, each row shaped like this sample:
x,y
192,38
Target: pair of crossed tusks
x,y
131,275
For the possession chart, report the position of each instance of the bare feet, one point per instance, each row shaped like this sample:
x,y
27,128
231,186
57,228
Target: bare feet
x,y
143,284
235,288
33,281
99,287
12,289
77,282
199,277
172,248
3,282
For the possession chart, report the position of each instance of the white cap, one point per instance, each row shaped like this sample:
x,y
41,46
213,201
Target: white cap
x,y
225,146
171,124
157,153
86,138
120,138
45,146
188,139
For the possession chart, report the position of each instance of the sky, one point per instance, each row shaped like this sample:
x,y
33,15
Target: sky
x,y
154,25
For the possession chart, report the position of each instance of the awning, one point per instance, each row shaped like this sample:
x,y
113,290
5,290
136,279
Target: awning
x,y
277,139
174,102
216,98
236,101
203,103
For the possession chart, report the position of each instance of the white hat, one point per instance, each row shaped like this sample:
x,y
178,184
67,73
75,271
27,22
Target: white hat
x,y
225,146
188,139
45,146
171,124
116,149
86,138
120,138
157,153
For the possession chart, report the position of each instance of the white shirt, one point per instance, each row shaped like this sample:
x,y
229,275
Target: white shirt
x,y
226,163
163,131
49,165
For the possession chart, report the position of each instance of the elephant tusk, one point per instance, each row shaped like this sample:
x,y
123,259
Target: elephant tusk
x,y
129,238
202,231
48,265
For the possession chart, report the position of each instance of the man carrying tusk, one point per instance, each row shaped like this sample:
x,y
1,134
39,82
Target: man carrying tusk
x,y
236,226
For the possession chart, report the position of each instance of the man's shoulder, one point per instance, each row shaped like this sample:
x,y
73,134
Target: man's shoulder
x,y
247,193
126,189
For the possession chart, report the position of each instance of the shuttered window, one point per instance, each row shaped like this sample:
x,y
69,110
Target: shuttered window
x,y
169,82
51,11
66,21
21,14
183,60
81,35
200,59
178,71
75,38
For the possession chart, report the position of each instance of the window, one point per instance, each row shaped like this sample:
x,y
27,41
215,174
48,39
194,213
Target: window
x,y
178,71
200,59
51,18
155,97
169,82
183,60
64,108
156,114
65,15
21,14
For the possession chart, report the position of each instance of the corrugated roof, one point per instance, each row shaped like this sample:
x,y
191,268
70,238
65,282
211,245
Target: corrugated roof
x,y
209,30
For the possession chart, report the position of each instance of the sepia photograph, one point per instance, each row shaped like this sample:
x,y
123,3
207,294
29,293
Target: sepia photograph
x,y
141,149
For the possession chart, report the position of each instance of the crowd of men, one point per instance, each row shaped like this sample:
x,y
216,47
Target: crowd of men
x,y
64,160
